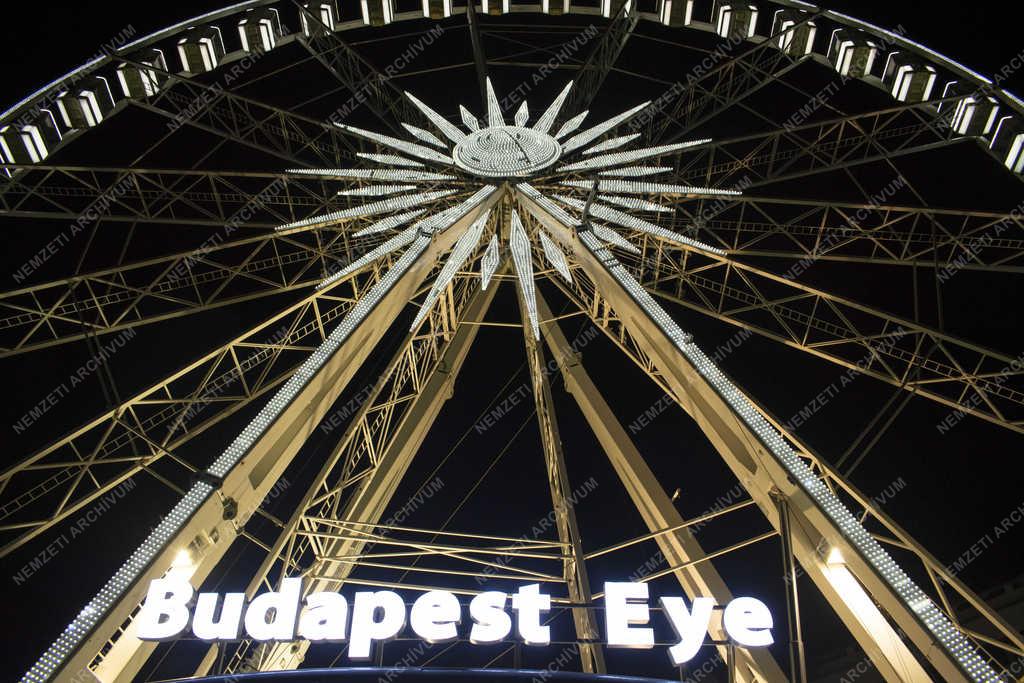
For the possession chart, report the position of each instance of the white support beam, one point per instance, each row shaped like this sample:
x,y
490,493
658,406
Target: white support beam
x,y
681,549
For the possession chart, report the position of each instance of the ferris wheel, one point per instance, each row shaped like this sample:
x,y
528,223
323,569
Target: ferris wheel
x,y
395,169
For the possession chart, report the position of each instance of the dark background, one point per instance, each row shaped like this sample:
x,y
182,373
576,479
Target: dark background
x,y
955,488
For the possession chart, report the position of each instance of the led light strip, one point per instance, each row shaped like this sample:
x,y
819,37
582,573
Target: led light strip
x,y
389,159
640,187
600,129
468,120
547,119
611,143
440,122
424,135
376,190
113,591
633,171
389,222
635,203
383,206
610,236
549,206
395,243
460,253
494,117
952,641
555,257
628,157
523,261
371,173
571,125
411,148
633,223
489,263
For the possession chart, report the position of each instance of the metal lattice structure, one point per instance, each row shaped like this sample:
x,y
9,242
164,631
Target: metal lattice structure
x,y
386,228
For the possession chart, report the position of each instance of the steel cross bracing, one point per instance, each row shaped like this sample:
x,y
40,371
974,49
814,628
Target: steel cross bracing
x,y
689,104
796,151
681,549
162,196
871,233
239,479
222,269
574,568
340,511
215,109
964,376
601,60
810,231
155,425
1000,635
360,77
337,525
770,468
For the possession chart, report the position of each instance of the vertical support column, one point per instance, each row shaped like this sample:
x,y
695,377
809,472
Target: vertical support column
x,y
574,567
679,547
797,663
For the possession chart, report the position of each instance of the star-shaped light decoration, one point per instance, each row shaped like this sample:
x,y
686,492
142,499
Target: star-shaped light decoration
x,y
495,156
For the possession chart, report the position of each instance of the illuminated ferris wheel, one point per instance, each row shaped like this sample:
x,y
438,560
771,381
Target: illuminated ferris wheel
x,y
396,169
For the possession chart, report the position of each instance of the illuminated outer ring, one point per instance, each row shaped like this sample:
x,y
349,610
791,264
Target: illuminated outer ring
x,y
506,151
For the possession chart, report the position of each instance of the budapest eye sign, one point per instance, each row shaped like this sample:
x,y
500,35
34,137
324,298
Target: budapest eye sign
x,y
172,608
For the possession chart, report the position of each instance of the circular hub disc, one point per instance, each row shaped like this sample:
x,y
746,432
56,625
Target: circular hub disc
x,y
506,151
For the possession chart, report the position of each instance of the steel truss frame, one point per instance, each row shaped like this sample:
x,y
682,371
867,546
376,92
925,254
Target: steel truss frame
x,y
350,501
764,468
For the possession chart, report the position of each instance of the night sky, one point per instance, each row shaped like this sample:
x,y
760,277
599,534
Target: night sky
x,y
949,490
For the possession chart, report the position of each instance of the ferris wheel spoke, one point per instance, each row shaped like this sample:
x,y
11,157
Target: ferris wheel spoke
x,y
361,78
861,338
244,120
795,151
601,60
165,288
164,196
930,237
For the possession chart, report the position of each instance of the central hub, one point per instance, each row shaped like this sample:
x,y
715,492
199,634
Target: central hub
x,y
506,151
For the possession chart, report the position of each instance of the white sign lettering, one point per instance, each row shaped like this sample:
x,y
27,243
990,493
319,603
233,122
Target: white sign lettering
x,y
171,608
